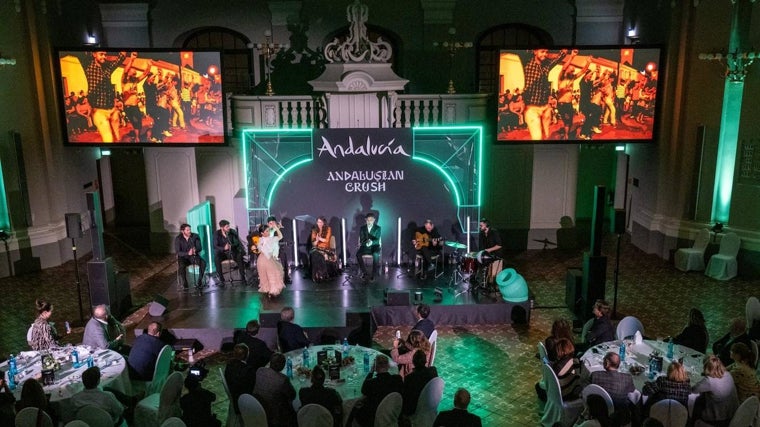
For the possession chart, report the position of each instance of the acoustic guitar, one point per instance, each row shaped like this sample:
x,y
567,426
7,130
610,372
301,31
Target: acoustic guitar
x,y
423,240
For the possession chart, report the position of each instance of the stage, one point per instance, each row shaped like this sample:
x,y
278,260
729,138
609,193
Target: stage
x,y
341,305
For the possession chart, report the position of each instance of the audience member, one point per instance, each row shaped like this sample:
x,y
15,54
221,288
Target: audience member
x,y
717,401
92,395
743,372
459,416
291,335
752,309
568,369
258,352
276,392
43,333
617,384
737,333
675,385
378,384
7,404
595,413
196,405
324,396
423,323
415,381
240,376
145,350
601,328
561,328
694,335
33,396
402,353
96,332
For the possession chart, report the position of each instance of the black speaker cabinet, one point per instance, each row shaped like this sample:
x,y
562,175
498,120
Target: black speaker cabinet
x,y
394,297
73,226
594,280
619,221
597,221
102,282
573,288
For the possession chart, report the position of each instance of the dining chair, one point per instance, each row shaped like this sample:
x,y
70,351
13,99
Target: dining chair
x,y
427,404
157,407
94,416
628,327
160,372
557,410
173,422
314,415
693,258
76,423
389,410
586,328
544,358
599,391
251,411
723,265
670,413
233,419
27,417
433,346
746,415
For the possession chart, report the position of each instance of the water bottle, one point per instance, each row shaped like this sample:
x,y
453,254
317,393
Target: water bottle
x,y
670,348
622,351
11,381
90,362
306,357
12,368
345,348
75,358
366,362
289,368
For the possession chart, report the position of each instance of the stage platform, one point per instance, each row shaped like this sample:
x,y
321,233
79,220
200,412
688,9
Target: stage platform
x,y
340,306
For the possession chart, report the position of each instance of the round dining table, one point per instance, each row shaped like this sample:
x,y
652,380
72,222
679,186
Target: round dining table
x,y
352,374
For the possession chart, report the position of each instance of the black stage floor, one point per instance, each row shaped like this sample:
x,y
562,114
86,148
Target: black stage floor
x,y
344,303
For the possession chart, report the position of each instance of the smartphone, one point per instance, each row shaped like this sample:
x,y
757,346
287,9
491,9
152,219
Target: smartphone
x,y
398,334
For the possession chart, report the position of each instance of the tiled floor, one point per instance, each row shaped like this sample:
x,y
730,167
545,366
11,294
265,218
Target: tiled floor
x,y
495,362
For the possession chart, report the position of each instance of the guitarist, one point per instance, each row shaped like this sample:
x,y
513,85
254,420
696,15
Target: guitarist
x,y
369,244
428,243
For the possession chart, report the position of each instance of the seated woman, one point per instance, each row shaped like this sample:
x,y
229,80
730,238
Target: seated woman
x,y
561,328
321,253
601,328
694,335
403,352
568,369
43,335
742,371
673,386
271,281
717,401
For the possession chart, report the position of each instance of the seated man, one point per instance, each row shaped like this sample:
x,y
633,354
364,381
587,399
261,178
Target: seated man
x,y
240,376
196,405
96,332
369,244
227,245
92,395
378,384
276,392
428,243
258,352
459,416
290,335
187,246
144,353
617,384
324,396
423,323
737,333
415,381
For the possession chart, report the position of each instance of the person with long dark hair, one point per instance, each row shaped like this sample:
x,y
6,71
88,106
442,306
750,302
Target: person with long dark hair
x,y
321,252
694,335
43,334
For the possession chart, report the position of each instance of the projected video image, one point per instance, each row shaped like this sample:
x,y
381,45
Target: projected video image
x,y
575,95
143,97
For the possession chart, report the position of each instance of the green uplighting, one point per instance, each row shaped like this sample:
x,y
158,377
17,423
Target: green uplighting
x,y
5,219
727,143
280,176
445,175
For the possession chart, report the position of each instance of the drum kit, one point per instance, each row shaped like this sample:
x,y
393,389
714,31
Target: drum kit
x,y
472,269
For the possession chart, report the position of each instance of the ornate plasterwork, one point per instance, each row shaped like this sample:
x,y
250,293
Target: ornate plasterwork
x,y
358,47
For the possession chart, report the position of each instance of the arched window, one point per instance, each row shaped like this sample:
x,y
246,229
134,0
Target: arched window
x,y
237,60
502,37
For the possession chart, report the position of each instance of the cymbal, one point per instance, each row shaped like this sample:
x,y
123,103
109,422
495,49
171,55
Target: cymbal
x,y
455,245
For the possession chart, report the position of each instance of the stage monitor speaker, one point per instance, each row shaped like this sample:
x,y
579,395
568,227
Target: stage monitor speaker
x,y
185,344
594,280
619,221
597,221
73,226
395,297
158,306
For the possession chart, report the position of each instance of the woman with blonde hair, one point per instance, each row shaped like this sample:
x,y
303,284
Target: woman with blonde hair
x,y
675,385
743,372
403,353
717,401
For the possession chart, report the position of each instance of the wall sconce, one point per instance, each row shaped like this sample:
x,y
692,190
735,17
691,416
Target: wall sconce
x,y
7,61
736,63
633,36
91,40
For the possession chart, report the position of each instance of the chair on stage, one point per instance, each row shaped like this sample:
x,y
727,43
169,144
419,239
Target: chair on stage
x,y
193,271
723,265
670,413
314,415
693,258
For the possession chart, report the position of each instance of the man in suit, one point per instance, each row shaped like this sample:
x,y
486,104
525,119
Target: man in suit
x,y
258,352
423,323
324,396
240,376
459,416
369,244
290,335
378,384
187,245
617,384
96,331
276,392
227,245
144,353
416,381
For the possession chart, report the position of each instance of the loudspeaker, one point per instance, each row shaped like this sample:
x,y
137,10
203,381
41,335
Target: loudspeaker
x,y
594,278
186,344
619,221
573,289
597,221
96,225
158,306
102,283
73,226
394,297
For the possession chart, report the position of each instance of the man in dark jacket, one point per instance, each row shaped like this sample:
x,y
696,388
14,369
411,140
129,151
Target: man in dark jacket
x,y
240,377
374,389
258,352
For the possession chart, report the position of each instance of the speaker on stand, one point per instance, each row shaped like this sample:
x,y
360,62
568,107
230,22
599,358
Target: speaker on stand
x,y
73,232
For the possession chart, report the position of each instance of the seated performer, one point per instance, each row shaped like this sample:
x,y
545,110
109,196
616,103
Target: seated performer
x,y
489,243
227,245
428,243
188,248
369,244
270,270
283,256
321,252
